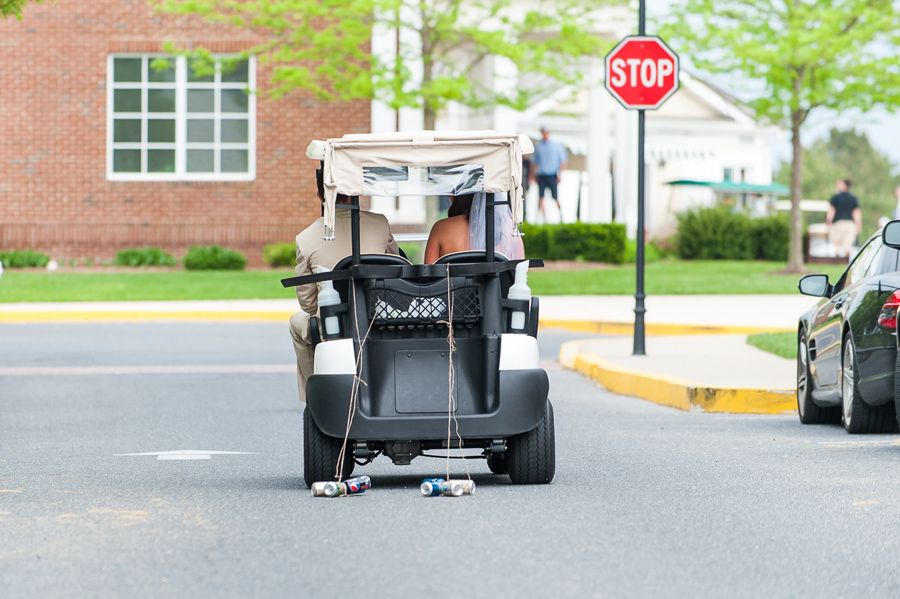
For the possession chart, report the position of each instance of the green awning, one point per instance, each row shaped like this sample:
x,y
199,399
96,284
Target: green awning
x,y
736,187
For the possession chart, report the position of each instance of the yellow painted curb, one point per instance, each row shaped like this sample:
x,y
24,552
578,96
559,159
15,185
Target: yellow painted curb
x,y
74,316
627,328
676,392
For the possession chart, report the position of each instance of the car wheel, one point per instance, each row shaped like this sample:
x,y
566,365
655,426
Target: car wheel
x,y
532,455
809,412
321,453
857,416
498,463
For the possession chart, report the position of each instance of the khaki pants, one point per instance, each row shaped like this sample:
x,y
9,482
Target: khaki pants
x,y
303,349
842,234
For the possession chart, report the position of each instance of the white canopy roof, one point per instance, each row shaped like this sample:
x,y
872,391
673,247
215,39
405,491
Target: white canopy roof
x,y
500,157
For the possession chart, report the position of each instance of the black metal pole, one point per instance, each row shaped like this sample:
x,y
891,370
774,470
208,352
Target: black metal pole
x,y
639,296
354,230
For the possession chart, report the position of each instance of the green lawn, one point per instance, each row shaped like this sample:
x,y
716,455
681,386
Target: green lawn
x,y
666,277
175,285
780,344
674,277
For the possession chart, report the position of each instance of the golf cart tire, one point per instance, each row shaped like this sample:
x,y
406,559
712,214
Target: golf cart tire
x,y
321,453
532,455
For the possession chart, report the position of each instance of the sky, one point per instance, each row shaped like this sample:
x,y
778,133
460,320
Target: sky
x,y
880,127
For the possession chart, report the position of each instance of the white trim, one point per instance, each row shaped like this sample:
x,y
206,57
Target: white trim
x,y
335,357
181,117
519,352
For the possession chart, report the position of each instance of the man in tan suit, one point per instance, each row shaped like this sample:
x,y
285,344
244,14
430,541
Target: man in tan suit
x,y
312,251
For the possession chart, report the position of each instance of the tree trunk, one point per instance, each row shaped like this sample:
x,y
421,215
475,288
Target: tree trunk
x,y
795,249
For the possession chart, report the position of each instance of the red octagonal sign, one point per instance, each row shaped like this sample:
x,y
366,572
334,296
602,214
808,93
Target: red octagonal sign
x,y
642,72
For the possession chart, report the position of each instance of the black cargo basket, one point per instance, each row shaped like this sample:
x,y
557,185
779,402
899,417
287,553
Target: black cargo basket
x,y
397,302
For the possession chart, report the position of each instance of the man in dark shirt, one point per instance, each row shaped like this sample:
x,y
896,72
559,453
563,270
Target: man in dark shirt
x,y
844,218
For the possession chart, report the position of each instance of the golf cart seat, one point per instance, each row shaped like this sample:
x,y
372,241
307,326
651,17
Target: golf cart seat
x,y
468,257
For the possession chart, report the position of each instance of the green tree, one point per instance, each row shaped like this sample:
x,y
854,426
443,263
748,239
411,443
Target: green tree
x,y
323,46
848,154
807,54
13,7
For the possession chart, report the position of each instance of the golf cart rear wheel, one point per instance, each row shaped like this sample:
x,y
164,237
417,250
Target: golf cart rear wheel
x,y
532,455
321,453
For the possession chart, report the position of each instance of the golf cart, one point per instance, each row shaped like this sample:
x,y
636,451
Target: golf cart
x,y
389,376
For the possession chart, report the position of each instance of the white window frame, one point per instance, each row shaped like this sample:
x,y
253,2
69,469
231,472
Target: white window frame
x,y
181,116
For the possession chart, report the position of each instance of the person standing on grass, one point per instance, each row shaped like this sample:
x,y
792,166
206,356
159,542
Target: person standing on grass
x,y
844,218
547,164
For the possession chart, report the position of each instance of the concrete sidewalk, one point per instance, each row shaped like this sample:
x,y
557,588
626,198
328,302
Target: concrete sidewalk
x,y
748,311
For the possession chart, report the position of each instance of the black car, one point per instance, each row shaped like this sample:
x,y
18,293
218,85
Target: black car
x,y
847,367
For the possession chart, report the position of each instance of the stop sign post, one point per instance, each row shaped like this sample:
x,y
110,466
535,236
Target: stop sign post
x,y
641,73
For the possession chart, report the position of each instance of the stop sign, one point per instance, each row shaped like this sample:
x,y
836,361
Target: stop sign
x,y
642,72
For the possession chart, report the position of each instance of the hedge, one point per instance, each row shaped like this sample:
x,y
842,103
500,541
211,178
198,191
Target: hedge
x,y
213,257
720,234
280,254
151,256
576,241
23,259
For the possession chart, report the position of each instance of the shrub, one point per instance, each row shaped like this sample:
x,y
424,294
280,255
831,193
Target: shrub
x,y
280,254
717,233
773,236
213,257
144,257
414,251
24,259
576,241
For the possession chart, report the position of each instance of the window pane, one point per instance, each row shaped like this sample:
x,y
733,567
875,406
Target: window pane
x,y
127,100
201,130
127,130
234,161
126,161
161,131
161,100
127,70
234,100
161,161
192,77
164,76
240,73
201,161
234,131
201,100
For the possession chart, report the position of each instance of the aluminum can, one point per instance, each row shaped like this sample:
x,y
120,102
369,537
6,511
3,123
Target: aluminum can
x,y
329,489
358,484
431,487
455,488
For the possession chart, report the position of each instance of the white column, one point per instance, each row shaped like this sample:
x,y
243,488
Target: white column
x,y
599,204
625,180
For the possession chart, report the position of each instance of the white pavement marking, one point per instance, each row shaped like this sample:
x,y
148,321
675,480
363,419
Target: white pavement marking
x,y
187,454
894,442
177,369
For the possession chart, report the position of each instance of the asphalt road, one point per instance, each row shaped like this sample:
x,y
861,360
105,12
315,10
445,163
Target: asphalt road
x,y
647,501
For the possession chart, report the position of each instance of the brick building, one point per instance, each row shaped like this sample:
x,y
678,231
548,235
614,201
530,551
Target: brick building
x,y
99,151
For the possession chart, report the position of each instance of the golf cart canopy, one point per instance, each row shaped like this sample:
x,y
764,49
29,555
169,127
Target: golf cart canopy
x,y
422,163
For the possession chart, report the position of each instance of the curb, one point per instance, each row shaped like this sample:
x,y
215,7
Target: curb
x,y
578,326
627,328
74,316
676,392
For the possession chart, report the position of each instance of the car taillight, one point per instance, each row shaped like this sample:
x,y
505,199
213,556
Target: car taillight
x,y
888,316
